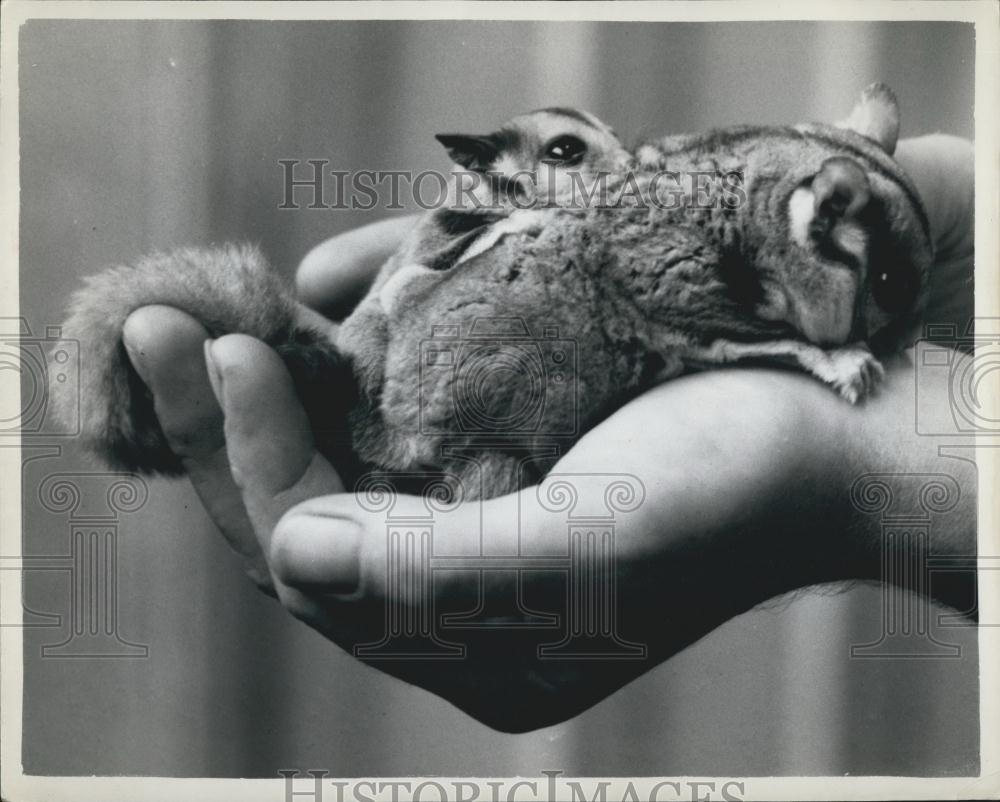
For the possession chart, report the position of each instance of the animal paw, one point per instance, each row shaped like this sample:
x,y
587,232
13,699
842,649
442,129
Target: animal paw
x,y
854,372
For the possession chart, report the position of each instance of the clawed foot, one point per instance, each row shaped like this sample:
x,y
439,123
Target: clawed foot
x,y
853,372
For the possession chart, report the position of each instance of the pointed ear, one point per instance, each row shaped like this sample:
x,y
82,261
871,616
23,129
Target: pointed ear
x,y
477,153
876,116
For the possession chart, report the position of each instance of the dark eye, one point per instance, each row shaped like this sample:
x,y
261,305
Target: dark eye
x,y
566,150
894,288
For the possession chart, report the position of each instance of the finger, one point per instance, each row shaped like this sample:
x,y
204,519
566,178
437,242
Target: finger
x,y
335,275
165,347
314,539
269,439
942,167
704,470
702,489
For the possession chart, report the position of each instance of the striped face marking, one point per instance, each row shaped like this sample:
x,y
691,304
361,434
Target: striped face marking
x,y
801,211
846,235
827,319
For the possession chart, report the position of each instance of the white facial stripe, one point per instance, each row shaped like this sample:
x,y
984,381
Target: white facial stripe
x,y
851,238
507,165
848,235
828,322
801,210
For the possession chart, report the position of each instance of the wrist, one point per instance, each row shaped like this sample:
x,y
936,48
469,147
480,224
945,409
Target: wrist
x,y
897,473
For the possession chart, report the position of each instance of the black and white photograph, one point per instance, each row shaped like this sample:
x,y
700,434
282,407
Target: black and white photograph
x,y
487,401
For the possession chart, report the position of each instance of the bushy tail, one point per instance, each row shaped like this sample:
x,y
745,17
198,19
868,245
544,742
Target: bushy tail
x,y
228,289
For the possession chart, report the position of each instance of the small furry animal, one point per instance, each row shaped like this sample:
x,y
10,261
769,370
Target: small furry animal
x,y
483,367
532,159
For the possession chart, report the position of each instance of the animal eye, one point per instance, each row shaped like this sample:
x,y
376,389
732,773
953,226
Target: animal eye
x,y
893,289
566,150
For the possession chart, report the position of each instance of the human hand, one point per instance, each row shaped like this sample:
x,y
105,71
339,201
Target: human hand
x,y
719,530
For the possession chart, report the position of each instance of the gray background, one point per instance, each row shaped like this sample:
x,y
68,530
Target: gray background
x,y
144,135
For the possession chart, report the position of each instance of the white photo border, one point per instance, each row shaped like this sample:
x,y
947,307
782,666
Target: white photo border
x,y
984,14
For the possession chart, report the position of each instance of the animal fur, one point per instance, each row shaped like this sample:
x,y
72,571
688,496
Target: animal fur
x,y
629,296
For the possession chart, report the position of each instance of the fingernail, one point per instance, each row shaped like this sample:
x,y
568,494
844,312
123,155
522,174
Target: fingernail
x,y
214,377
318,553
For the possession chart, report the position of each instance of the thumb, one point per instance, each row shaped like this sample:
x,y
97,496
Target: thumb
x,y
346,547
377,545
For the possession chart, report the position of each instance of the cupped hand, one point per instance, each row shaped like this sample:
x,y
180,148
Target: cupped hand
x,y
745,475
